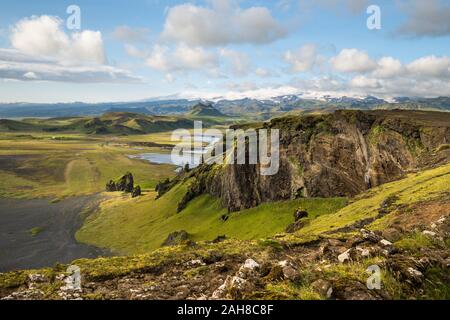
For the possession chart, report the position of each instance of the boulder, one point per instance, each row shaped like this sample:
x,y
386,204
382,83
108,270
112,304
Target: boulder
x,y
111,186
295,226
428,233
126,183
346,289
176,238
220,239
323,288
385,243
251,265
370,236
300,214
344,257
391,234
136,192
406,269
290,272
234,287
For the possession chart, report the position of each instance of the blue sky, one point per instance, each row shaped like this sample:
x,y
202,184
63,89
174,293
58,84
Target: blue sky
x,y
132,50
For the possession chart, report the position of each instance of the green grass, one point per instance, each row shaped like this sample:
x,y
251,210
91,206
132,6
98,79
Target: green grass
x,y
414,242
417,187
58,168
35,231
139,225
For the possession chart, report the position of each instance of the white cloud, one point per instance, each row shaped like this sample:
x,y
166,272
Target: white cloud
x,y
134,52
127,34
364,82
44,36
264,73
303,59
30,75
388,67
42,51
169,78
351,6
182,58
221,24
426,18
240,62
15,65
430,66
353,60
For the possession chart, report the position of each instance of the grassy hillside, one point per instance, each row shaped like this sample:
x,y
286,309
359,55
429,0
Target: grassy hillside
x,y
119,123
416,189
411,205
138,225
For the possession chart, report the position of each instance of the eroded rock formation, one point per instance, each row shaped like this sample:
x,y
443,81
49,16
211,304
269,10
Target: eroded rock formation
x,y
339,154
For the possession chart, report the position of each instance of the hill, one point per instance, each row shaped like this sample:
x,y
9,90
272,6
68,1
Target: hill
x,y
204,110
109,123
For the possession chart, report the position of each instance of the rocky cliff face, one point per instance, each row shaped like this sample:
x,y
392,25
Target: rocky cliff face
x,y
339,154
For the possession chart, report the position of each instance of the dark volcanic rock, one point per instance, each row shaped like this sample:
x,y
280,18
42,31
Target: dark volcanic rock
x,y
136,192
295,226
126,183
176,238
300,214
111,186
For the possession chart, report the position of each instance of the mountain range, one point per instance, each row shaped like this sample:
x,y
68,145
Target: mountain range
x,y
265,107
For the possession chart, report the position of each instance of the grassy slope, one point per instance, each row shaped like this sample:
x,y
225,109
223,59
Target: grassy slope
x,y
135,226
418,187
138,225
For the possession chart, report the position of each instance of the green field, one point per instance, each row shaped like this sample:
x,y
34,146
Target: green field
x,y
44,165
139,225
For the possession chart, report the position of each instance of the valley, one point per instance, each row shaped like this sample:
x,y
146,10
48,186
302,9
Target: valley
x,y
354,173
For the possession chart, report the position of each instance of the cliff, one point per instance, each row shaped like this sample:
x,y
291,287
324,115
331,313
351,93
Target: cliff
x,y
339,154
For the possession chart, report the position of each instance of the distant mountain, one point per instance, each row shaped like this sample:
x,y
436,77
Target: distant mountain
x,y
205,110
264,108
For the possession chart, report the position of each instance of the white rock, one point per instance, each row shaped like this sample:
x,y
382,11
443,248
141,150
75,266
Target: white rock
x,y
219,292
283,263
386,243
343,257
251,264
415,273
429,233
36,277
197,262
441,220
364,252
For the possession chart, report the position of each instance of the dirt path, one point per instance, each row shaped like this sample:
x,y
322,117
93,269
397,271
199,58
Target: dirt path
x,y
55,226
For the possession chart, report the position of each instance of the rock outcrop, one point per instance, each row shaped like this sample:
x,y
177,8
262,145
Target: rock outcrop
x,y
339,154
124,184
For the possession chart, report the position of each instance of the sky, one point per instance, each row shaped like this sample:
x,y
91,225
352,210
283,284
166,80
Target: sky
x,y
212,49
